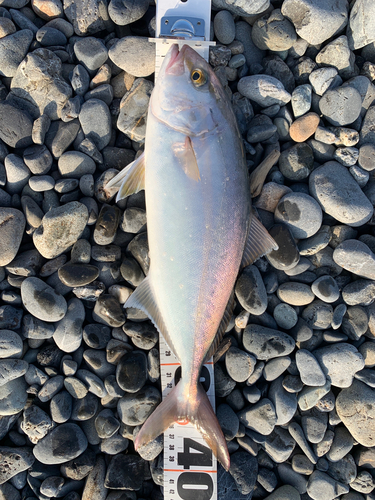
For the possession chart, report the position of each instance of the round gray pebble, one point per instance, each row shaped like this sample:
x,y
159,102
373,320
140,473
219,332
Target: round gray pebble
x,y
341,106
239,364
65,442
224,27
301,213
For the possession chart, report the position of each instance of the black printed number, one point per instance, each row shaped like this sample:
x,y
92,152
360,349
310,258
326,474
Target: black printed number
x,y
202,457
195,486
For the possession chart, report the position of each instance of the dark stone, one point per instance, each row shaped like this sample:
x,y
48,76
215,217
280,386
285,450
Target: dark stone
x,y
126,472
287,256
131,374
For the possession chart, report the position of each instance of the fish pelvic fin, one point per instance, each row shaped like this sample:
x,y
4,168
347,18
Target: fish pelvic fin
x,y
197,410
130,180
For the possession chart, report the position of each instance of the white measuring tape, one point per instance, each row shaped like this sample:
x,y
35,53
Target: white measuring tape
x,y
190,467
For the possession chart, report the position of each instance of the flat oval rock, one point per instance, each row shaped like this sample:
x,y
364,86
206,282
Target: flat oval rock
x,y
267,343
131,374
356,257
65,442
12,226
339,194
14,461
78,274
287,256
134,409
340,362
350,404
42,301
61,227
13,396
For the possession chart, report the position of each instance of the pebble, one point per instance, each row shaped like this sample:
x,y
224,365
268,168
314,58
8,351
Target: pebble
x,y
135,55
126,11
301,213
16,126
264,90
260,417
301,100
250,291
339,195
326,289
224,27
68,332
324,79
14,461
356,257
340,362
309,369
285,402
341,106
304,127
125,472
309,22
266,343
36,423
13,396
135,410
90,52
12,224
61,227
239,364
287,256
73,164
244,470
297,162
360,31
65,442
131,373
42,301
322,487
285,316
274,33
95,120
13,49
285,492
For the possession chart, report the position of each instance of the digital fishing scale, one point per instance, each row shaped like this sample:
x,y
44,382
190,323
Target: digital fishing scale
x,y
190,467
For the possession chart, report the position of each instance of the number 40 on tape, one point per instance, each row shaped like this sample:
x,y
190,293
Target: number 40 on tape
x,y
190,467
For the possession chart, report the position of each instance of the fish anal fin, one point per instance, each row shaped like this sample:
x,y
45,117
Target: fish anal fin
x,y
130,180
258,243
222,327
184,152
143,298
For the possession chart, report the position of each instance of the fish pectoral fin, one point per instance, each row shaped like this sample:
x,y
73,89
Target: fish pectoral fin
x,y
185,154
222,327
130,180
143,298
258,243
258,176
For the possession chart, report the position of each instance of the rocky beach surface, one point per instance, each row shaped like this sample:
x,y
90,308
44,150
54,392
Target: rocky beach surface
x,y
79,374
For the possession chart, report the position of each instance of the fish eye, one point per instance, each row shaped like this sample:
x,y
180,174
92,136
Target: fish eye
x,y
198,77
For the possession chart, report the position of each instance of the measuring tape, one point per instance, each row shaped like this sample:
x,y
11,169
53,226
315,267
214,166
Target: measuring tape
x,y
190,467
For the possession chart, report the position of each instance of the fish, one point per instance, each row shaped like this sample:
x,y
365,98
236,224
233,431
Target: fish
x,y
201,230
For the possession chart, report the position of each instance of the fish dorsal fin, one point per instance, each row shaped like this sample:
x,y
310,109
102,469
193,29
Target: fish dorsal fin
x,y
143,298
258,176
184,152
258,243
130,180
222,327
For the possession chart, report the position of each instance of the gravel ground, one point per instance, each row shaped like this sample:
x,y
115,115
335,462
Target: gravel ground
x,y
79,374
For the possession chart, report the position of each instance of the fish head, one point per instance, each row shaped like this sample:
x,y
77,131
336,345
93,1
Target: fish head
x,y
188,96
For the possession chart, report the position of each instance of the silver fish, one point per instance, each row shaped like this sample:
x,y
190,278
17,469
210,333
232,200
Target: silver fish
x,y
200,229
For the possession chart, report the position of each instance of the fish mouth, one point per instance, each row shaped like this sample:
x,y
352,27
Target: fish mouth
x,y
175,64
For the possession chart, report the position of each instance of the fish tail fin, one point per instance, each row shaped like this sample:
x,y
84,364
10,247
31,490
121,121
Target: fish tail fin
x,y
177,407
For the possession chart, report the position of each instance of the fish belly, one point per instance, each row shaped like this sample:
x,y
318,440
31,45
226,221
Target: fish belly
x,y
196,231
